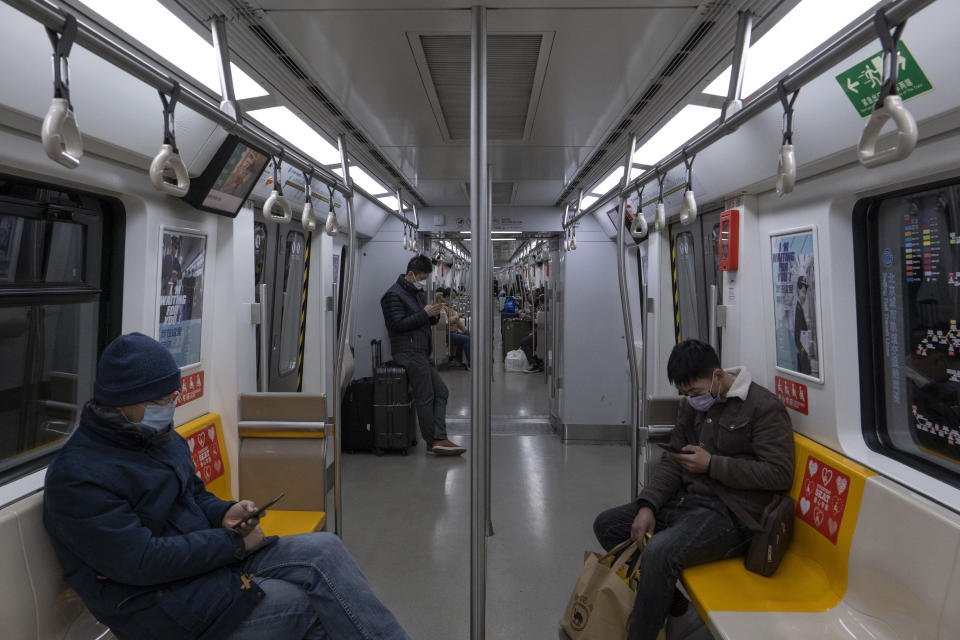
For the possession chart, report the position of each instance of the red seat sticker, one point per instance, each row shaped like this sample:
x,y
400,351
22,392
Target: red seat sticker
x,y
823,497
205,453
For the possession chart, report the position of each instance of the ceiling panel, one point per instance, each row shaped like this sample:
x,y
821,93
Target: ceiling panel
x,y
599,62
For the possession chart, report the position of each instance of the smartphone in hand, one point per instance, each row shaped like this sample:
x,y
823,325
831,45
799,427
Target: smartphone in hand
x,y
259,513
673,449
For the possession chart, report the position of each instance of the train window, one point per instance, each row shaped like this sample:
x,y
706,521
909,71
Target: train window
x,y
909,320
55,313
259,251
292,292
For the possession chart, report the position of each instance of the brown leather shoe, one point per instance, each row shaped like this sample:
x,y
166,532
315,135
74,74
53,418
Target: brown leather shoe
x,y
445,448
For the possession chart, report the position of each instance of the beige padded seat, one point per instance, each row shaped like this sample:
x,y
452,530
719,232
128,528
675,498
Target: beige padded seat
x,y
35,602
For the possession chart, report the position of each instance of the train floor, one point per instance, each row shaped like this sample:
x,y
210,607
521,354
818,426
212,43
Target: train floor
x,y
407,518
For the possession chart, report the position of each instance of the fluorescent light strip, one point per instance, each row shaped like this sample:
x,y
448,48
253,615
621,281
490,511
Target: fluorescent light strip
x,y
806,26
289,126
688,122
157,28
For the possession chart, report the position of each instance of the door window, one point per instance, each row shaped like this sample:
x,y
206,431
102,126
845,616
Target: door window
x,y
291,299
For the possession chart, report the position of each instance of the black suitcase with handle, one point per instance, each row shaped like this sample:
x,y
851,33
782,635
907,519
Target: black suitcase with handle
x,y
357,431
393,428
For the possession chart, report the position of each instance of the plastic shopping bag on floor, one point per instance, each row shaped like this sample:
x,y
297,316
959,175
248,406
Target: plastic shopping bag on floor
x,y
516,361
600,606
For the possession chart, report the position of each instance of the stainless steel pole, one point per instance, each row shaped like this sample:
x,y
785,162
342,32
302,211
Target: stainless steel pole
x,y
486,282
742,45
342,340
228,98
628,321
480,300
263,330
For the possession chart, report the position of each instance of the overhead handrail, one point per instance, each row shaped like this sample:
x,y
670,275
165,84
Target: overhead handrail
x,y
688,208
308,218
787,165
167,171
889,105
277,198
60,134
331,226
853,39
660,217
639,227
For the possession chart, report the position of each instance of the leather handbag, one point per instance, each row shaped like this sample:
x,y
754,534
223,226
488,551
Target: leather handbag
x,y
772,535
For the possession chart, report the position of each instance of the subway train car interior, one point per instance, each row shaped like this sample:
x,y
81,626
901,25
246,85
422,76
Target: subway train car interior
x,y
425,268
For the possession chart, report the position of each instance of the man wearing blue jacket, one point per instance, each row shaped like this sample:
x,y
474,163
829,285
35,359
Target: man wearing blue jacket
x,y
409,318
154,555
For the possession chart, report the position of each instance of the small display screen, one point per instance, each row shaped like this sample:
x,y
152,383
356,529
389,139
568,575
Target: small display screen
x,y
236,179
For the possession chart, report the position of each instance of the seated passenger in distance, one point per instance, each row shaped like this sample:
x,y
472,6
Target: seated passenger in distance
x,y
154,555
733,432
534,363
458,332
408,318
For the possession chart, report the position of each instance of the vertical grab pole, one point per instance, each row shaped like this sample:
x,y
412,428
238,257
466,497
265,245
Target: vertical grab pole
x,y
480,302
733,102
264,338
343,333
486,400
228,102
628,320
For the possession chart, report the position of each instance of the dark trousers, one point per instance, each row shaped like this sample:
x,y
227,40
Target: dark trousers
x,y
462,341
690,530
429,394
527,345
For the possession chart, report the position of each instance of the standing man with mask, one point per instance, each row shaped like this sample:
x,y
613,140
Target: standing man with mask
x,y
409,318
155,556
732,432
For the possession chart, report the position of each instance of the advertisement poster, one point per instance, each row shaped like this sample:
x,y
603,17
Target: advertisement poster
x,y
793,258
182,256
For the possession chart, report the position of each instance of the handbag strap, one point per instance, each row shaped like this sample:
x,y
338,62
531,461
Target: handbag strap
x,y
738,510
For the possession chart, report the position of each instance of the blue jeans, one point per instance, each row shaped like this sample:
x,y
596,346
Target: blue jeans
x,y
691,529
461,340
314,590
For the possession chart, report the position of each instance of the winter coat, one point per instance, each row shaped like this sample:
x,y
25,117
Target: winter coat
x,y
407,323
750,440
139,537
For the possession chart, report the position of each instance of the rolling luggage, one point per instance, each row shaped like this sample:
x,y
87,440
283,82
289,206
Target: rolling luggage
x,y
393,426
357,432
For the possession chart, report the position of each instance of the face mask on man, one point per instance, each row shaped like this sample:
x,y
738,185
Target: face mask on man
x,y
704,401
156,416
421,285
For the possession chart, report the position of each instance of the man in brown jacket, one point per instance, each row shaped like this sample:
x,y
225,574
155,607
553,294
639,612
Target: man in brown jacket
x,y
731,432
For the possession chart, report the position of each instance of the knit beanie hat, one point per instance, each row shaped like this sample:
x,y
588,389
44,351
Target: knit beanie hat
x,y
135,368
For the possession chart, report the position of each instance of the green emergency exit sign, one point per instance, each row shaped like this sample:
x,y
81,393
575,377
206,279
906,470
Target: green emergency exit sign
x,y
862,81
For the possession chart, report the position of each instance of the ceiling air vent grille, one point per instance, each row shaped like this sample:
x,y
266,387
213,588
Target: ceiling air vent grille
x,y
515,68
502,192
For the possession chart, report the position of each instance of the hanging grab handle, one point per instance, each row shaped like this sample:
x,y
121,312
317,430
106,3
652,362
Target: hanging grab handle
x,y
660,218
688,208
60,134
787,164
639,227
331,226
277,198
167,171
573,238
308,218
889,105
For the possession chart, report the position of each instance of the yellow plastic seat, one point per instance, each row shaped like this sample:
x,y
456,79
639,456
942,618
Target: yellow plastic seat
x,y
207,447
813,573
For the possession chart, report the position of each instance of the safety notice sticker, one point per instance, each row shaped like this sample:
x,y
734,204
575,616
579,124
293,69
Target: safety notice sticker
x,y
823,498
205,453
862,81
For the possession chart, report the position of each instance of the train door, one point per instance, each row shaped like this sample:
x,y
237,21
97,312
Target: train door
x,y
279,254
696,278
